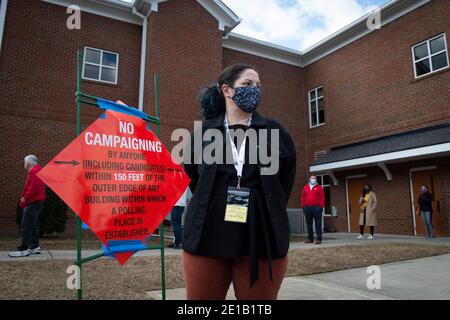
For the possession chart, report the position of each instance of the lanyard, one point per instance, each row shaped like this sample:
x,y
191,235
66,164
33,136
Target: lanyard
x,y
238,156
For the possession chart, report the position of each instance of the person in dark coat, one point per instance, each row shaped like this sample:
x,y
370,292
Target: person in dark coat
x,y
426,210
251,253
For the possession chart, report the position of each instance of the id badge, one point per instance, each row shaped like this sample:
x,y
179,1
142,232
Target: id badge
x,y
237,205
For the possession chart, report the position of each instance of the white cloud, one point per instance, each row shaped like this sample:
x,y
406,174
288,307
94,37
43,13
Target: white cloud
x,y
296,24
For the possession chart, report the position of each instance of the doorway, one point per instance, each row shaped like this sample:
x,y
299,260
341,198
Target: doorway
x,y
355,185
430,178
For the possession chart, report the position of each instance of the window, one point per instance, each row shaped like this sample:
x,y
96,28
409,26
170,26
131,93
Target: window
x,y
100,65
430,56
316,107
324,181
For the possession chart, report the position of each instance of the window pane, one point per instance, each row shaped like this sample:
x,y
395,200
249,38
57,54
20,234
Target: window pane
x,y
327,200
312,94
326,180
109,59
108,75
313,119
319,180
320,92
439,61
91,71
421,51
321,111
92,56
321,116
423,67
437,44
320,104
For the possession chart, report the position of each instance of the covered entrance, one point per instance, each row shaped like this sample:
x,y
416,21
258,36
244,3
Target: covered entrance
x,y
387,153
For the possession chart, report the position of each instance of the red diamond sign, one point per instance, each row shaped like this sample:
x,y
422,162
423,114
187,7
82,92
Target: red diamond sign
x,y
118,178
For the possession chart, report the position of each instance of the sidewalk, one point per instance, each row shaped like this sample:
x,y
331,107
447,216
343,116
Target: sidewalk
x,y
422,279
330,240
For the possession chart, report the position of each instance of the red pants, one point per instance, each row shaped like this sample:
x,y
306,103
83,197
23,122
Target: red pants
x,y
209,278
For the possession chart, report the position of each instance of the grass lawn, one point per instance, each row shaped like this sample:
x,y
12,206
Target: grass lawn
x,y
106,279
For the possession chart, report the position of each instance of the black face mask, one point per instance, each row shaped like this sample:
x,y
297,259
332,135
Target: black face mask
x,y
247,98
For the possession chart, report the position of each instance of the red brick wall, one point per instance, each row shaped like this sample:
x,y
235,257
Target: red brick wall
x,y
185,51
369,90
38,82
369,85
282,99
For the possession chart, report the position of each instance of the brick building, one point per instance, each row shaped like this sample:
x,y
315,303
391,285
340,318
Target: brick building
x,y
363,106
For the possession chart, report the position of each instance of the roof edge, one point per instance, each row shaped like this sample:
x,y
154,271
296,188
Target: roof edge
x,y
226,18
262,49
390,11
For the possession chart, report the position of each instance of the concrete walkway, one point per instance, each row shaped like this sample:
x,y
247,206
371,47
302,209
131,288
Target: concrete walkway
x,y
426,278
330,240
423,279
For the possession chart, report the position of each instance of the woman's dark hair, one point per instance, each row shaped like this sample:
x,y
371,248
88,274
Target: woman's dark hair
x,y
363,193
211,99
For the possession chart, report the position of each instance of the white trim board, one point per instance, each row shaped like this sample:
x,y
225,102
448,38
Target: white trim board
x,y
226,18
405,154
424,168
262,49
412,202
105,9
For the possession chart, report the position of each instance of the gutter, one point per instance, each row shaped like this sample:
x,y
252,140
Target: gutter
x,y
143,56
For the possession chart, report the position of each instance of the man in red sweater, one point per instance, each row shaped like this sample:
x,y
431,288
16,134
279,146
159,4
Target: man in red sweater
x,y
32,200
313,201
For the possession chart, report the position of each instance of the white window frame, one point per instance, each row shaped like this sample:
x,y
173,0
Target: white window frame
x,y
317,106
101,66
323,186
430,55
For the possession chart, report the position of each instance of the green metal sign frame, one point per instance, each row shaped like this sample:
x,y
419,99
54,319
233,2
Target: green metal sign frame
x,y
82,98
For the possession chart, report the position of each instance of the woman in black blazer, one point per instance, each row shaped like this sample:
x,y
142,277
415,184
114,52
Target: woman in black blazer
x,y
236,227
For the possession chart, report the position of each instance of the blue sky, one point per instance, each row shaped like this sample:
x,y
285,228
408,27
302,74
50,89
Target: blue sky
x,y
297,24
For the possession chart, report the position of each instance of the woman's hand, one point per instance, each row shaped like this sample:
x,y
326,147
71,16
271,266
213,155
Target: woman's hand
x,y
120,102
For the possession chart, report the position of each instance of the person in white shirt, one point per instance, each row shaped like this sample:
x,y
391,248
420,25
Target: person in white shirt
x,y
176,220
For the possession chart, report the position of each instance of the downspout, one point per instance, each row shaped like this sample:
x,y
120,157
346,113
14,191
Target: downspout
x,y
143,57
3,5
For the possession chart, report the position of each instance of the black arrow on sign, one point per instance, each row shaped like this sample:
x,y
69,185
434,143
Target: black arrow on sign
x,y
73,162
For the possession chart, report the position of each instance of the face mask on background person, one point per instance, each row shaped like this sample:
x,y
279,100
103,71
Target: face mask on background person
x,y
247,98
313,182
423,189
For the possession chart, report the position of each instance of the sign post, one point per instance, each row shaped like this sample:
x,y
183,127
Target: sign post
x,y
118,178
